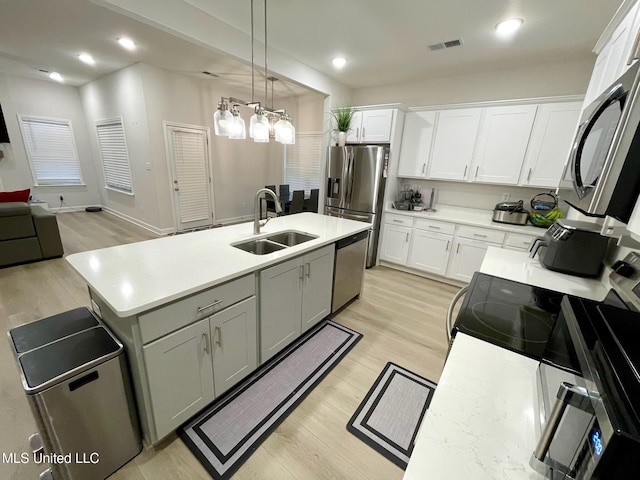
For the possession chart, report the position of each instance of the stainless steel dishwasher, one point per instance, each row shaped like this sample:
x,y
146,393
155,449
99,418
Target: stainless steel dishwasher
x,y
351,254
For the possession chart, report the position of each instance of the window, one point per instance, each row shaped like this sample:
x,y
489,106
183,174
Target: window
x,y
302,162
115,158
51,150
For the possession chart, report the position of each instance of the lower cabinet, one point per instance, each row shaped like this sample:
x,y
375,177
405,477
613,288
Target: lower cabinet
x,y
466,258
294,296
430,252
188,368
180,375
395,243
234,344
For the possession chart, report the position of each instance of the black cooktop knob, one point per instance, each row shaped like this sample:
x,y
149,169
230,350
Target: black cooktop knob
x,y
623,269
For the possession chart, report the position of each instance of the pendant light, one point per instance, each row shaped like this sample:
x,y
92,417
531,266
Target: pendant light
x,y
265,122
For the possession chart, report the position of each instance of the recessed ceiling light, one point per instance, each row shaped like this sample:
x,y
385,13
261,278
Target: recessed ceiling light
x,y
339,62
127,43
507,27
56,76
86,58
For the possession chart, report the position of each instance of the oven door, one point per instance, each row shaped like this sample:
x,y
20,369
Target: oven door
x,y
599,149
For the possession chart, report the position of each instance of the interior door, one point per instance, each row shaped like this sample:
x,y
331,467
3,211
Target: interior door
x,y
187,151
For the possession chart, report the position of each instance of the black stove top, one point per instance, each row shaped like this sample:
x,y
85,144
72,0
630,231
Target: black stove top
x,y
509,314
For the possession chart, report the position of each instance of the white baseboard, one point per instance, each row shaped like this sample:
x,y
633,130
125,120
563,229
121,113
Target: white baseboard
x,y
135,221
234,220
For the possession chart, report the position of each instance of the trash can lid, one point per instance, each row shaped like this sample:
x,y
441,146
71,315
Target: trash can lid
x,y
55,362
35,334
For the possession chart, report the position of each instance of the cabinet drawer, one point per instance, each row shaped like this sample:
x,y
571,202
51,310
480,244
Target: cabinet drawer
x,y
435,226
393,219
159,322
518,241
482,234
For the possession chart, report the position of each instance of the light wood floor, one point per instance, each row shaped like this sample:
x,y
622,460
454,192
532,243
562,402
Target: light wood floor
x,y
400,315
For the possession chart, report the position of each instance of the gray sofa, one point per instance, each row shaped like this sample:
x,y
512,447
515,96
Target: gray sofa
x,y
27,233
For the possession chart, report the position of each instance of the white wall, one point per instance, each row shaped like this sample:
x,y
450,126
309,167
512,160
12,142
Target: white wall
x,y
47,99
551,79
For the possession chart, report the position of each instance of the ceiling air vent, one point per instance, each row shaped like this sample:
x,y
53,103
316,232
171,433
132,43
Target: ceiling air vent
x,y
449,44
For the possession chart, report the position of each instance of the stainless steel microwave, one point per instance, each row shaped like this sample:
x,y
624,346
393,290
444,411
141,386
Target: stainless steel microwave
x,y
602,175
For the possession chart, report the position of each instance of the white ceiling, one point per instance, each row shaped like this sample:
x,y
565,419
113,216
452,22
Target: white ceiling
x,y
386,42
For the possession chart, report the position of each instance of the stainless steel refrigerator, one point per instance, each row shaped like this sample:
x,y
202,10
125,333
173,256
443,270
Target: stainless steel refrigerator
x,y
355,190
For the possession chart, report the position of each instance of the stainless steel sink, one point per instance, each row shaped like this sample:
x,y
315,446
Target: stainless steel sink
x,y
260,247
274,242
291,238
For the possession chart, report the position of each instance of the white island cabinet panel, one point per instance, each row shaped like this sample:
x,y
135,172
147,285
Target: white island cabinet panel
x,y
316,286
502,143
416,143
454,143
180,375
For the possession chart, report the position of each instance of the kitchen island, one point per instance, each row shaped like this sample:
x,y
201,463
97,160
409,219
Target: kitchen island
x,y
196,314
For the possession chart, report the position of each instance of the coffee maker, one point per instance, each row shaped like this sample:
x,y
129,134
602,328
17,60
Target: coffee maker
x,y
571,246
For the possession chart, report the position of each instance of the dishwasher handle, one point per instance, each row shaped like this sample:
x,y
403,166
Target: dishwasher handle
x,y
351,239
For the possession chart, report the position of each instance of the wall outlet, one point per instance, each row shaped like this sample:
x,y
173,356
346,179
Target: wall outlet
x,y
506,197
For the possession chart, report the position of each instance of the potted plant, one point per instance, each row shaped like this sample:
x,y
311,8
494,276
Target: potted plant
x,y
342,117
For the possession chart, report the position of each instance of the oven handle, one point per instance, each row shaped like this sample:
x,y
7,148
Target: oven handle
x,y
452,305
568,394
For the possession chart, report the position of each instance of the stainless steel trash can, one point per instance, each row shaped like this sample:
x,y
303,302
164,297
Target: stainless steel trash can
x,y
79,392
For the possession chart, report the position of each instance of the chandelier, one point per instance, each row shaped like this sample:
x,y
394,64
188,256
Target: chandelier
x,y
227,121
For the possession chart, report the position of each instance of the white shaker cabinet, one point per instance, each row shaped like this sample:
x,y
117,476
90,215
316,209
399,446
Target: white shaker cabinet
x,y
234,344
180,375
454,143
502,143
430,252
294,295
395,243
550,144
466,258
416,143
371,126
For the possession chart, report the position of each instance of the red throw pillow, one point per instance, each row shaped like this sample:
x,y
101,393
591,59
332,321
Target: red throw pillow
x,y
17,196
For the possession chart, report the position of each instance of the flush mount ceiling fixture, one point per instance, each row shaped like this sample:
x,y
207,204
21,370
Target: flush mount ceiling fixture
x,y
126,42
228,122
86,58
509,26
56,76
339,62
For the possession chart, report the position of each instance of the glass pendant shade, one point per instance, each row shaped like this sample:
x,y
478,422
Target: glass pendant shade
x,y
285,132
221,121
237,129
259,128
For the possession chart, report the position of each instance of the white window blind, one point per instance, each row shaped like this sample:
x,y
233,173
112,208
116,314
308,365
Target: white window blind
x,y
302,162
51,150
115,158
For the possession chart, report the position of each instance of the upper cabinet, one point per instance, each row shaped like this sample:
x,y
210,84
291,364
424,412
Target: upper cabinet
x,y
502,143
417,137
371,126
454,143
617,55
550,143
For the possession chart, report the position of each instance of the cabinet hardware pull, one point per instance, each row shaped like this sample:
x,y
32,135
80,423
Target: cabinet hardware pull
x,y
465,171
477,168
219,337
447,249
206,342
358,133
634,54
202,309
424,166
479,235
407,239
458,249
362,133
526,242
529,175
301,272
176,188
398,221
308,269
434,227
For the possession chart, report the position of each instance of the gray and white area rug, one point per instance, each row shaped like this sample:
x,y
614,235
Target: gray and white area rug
x,y
224,435
389,417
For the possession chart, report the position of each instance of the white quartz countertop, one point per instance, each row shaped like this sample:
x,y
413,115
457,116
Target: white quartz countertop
x,y
479,424
140,276
469,216
517,266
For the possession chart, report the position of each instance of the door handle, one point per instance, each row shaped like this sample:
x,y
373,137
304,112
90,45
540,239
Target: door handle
x,y
529,175
465,171
358,133
477,168
308,273
218,330
424,166
447,249
301,272
458,249
407,239
362,133
205,336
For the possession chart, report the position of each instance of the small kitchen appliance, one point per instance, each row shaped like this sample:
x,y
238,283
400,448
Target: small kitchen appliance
x,y
572,247
510,212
